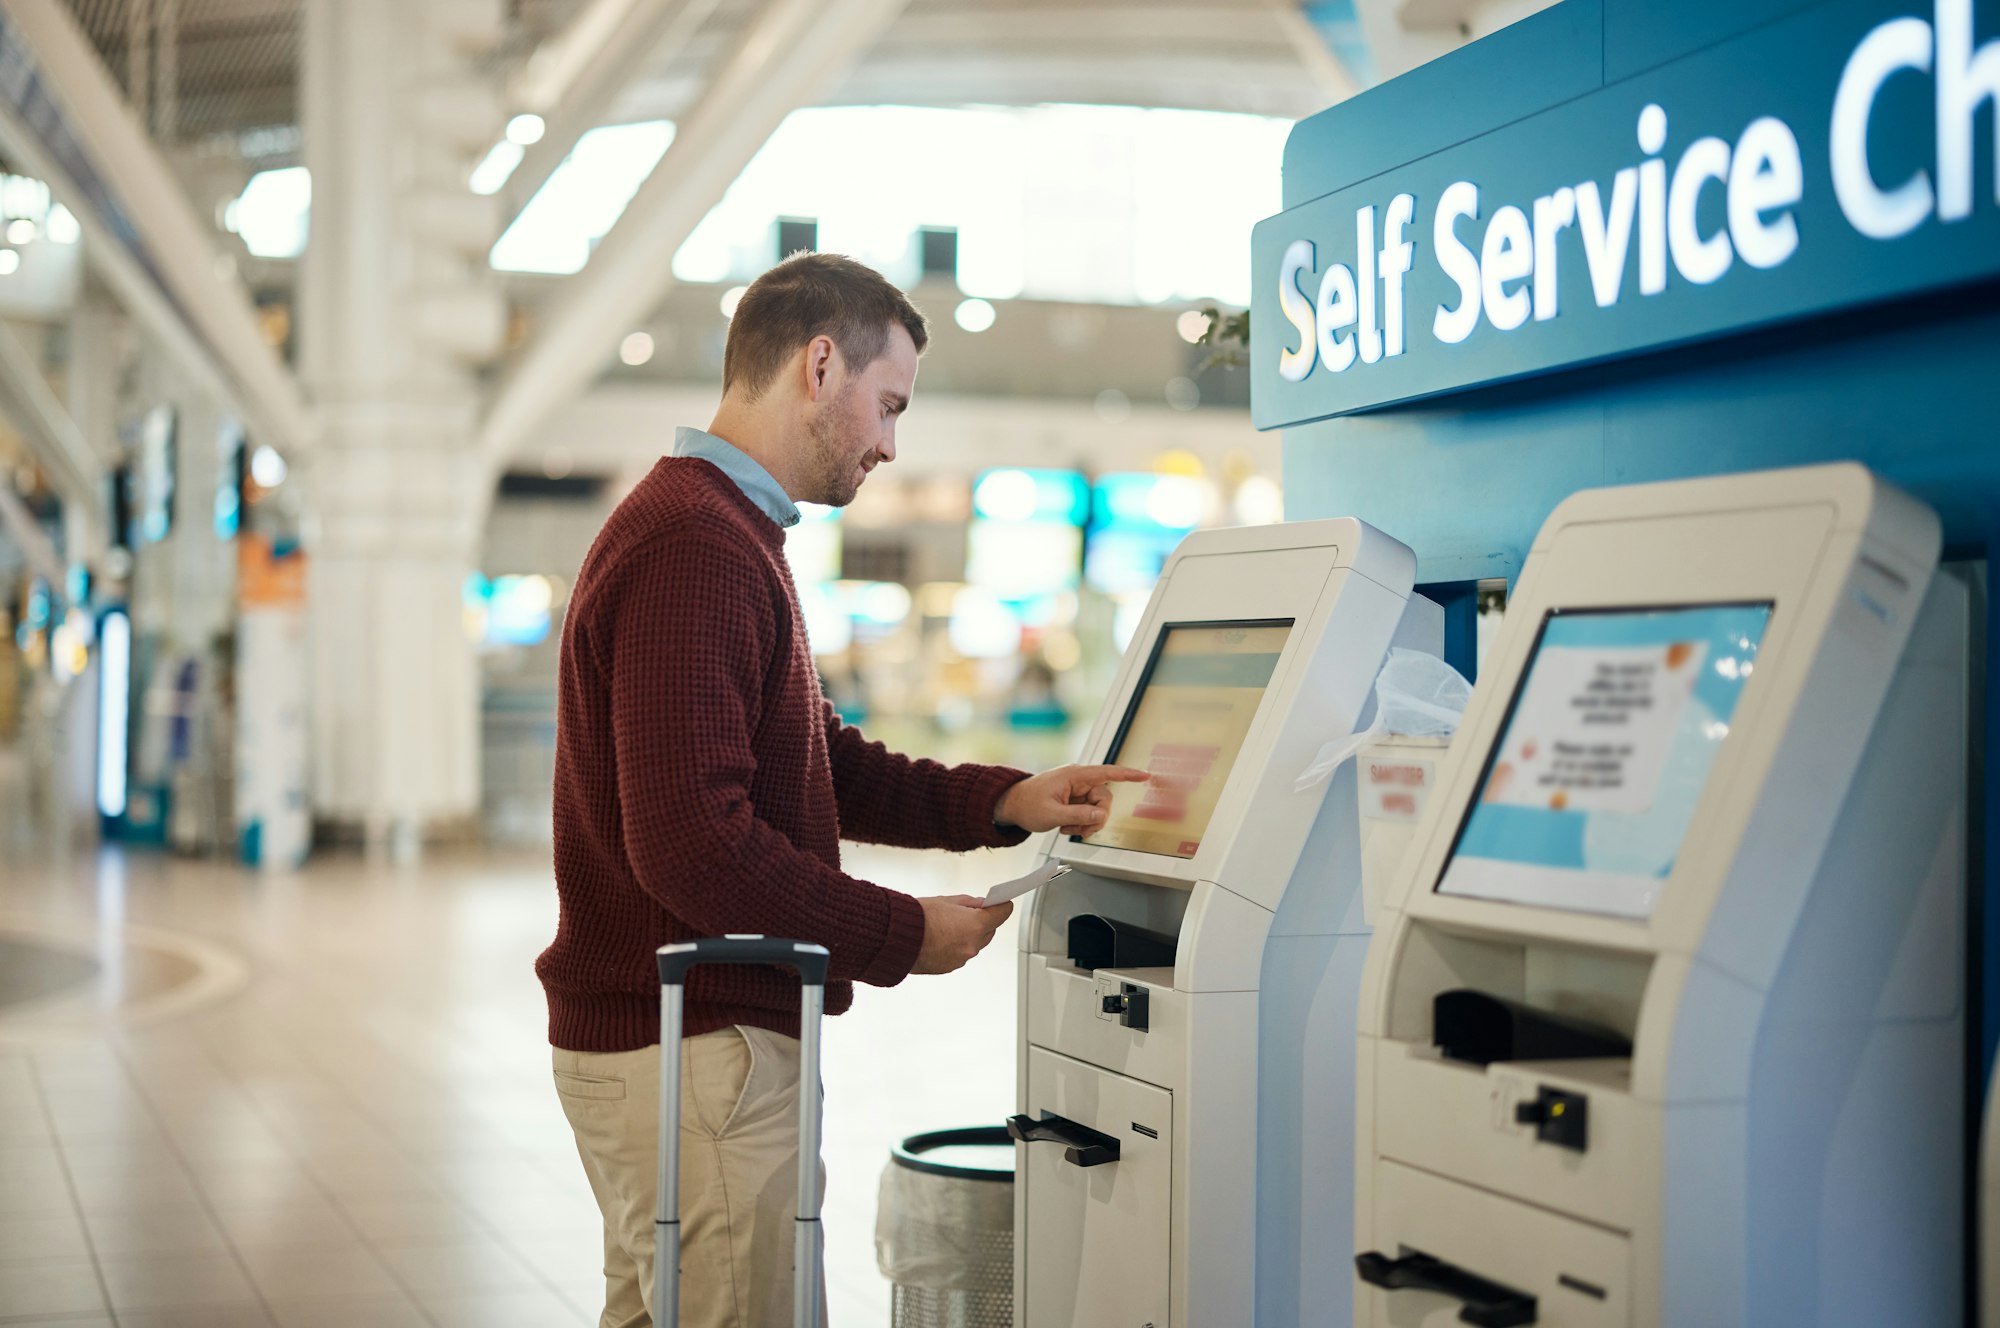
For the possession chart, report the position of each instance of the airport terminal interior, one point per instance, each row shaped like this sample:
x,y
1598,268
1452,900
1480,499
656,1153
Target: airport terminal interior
x,y
1516,479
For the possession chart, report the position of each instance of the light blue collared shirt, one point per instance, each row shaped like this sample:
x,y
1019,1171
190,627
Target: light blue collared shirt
x,y
755,481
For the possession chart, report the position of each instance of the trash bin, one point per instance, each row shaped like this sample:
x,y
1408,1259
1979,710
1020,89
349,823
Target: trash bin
x,y
944,1229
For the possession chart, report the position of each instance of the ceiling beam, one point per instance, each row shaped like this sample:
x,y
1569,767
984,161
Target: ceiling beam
x,y
121,271
574,81
168,241
1243,56
790,53
1126,30
51,433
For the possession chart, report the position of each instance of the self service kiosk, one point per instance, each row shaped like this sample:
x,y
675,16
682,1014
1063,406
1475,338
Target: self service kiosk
x,y
1662,1023
1143,968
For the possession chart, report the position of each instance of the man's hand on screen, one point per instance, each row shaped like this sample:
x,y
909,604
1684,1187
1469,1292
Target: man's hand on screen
x,y
1074,799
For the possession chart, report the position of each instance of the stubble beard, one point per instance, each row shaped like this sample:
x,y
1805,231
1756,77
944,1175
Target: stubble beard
x,y
830,478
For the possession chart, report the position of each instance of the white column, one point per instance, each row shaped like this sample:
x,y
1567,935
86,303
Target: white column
x,y
393,313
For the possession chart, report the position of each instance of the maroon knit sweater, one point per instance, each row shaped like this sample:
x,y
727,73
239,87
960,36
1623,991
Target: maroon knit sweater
x,y
703,782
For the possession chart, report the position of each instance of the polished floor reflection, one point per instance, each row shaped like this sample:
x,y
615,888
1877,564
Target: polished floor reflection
x,y
355,1126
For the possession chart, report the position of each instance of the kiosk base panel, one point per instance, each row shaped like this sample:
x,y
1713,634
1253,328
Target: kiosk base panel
x,y
1096,1237
1578,1274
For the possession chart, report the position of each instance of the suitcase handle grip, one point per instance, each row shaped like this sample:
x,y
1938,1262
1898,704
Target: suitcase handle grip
x,y
810,960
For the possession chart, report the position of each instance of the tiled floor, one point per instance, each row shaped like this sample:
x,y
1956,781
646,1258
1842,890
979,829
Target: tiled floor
x,y
365,1136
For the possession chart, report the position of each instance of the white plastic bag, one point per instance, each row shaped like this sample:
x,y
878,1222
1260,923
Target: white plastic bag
x,y
1416,696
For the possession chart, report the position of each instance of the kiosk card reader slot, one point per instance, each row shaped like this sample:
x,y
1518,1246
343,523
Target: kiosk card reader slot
x,y
1663,1021
1159,1144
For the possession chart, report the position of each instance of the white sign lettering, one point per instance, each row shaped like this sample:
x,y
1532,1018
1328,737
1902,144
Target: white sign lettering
x,y
1504,264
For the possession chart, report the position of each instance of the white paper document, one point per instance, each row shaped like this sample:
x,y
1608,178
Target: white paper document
x,y
1020,885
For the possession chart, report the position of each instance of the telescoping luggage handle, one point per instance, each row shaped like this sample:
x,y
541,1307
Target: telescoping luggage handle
x,y
808,1243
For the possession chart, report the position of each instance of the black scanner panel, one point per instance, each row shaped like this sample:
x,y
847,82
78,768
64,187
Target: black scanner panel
x,y
1481,1029
1100,942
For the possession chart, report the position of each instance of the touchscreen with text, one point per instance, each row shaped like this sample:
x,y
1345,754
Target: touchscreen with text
x,y
1604,753
1185,727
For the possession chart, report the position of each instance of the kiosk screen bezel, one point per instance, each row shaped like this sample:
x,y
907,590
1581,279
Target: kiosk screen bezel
x,y
1500,735
1138,694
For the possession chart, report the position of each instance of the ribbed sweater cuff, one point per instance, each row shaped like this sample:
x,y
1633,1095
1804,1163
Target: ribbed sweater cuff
x,y
982,800
898,955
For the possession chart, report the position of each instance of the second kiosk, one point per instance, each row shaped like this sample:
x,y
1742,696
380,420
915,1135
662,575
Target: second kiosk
x,y
1663,1023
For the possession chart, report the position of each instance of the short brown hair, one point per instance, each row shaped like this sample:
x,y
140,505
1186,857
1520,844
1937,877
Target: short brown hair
x,y
810,295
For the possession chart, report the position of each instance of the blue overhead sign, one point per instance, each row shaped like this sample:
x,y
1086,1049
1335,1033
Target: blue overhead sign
x,y
1840,155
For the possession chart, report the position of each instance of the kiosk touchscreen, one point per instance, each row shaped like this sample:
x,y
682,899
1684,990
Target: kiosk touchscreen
x,y
1605,751
1663,1016
1194,927
1185,727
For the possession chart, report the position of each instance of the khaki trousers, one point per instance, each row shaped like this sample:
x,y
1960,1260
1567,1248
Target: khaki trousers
x,y
739,1169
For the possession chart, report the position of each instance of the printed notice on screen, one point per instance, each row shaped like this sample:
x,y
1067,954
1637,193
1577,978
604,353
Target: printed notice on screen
x,y
1594,727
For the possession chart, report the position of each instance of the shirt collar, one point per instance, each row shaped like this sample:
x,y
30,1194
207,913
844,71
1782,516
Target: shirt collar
x,y
756,483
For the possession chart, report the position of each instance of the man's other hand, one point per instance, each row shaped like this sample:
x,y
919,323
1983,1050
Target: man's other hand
x,y
1072,798
955,929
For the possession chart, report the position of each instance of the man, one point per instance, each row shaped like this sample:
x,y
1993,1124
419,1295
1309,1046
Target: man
x,y
703,783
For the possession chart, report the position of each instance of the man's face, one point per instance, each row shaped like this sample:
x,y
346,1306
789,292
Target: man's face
x,y
852,429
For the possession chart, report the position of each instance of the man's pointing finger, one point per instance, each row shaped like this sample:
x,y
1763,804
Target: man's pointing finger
x,y
1103,774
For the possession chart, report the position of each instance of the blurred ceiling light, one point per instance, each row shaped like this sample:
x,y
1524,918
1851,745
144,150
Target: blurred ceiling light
x,y
1179,461
1259,502
975,314
495,167
1192,325
1113,406
1006,495
267,467
1177,502
10,262
1062,651
536,593
272,213
884,603
731,298
526,130
981,627
636,349
829,630
934,598
1182,394
21,231
62,226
